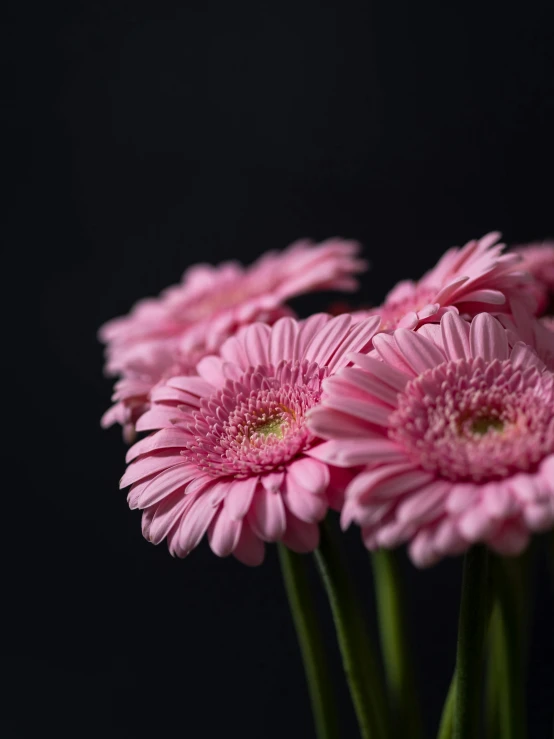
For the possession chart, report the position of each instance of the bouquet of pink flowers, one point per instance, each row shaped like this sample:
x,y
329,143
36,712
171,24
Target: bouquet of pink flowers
x,y
426,421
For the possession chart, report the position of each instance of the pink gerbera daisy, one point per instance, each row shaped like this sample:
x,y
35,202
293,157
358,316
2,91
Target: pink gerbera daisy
x,y
477,277
167,335
456,430
234,456
538,260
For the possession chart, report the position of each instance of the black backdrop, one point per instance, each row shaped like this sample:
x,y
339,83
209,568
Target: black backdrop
x,y
143,137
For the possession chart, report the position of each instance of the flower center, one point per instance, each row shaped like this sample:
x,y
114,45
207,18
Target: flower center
x,y
481,425
257,424
274,422
472,420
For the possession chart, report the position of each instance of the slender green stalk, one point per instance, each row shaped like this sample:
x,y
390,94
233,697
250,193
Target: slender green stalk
x,y
474,609
507,658
395,644
295,576
446,727
360,665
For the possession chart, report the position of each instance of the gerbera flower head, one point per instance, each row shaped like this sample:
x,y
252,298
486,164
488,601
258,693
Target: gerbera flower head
x,y
233,455
538,260
168,335
456,432
477,277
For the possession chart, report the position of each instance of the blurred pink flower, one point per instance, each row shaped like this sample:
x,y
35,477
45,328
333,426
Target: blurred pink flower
x,y
456,430
477,277
167,335
233,456
538,260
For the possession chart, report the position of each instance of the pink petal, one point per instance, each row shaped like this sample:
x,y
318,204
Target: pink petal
x,y
172,438
325,342
455,334
403,482
492,297
499,501
240,497
272,481
354,452
477,524
145,466
211,370
447,292
358,339
365,482
249,550
267,515
364,409
232,351
329,423
167,514
304,505
420,353
195,524
308,329
167,482
422,552
283,343
369,383
488,338
539,516
157,417
387,374
224,534
523,356
192,384
309,474
424,505
256,339
388,350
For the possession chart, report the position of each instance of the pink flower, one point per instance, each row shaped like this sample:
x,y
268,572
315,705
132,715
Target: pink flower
x,y
456,430
477,277
234,456
538,260
167,335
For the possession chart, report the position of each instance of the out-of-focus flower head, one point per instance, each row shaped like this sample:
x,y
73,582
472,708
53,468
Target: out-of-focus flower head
x,y
477,277
233,456
168,335
455,426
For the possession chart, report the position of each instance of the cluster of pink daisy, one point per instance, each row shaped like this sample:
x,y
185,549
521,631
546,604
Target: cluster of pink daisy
x,y
427,420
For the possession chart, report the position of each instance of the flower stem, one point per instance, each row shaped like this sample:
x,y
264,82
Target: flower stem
x,y
446,727
360,665
395,644
474,609
507,648
294,568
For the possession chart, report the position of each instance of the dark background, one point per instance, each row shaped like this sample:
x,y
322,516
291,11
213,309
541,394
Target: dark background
x,y
142,137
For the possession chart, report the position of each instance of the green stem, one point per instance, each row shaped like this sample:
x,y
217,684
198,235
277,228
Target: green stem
x,y
446,726
508,648
360,665
294,568
395,644
474,608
